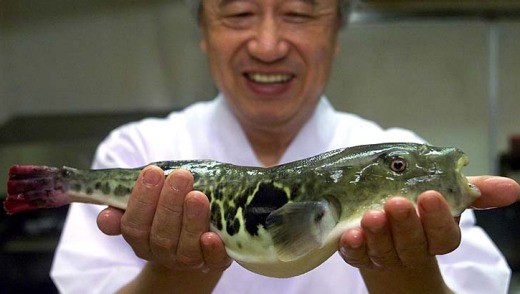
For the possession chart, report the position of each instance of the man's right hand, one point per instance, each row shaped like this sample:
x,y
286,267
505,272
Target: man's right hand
x,y
167,223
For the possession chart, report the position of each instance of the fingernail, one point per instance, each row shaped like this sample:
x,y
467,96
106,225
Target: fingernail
x,y
356,244
192,208
151,177
431,205
400,214
377,228
178,183
375,221
356,240
502,184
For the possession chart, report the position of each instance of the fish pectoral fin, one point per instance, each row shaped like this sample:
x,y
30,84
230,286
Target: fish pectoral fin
x,y
299,227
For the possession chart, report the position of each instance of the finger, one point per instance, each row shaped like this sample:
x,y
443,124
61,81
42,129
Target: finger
x,y
215,255
380,245
137,220
109,221
195,222
166,227
496,191
353,249
441,230
407,232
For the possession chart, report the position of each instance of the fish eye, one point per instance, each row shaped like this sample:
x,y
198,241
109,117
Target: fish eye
x,y
398,164
66,173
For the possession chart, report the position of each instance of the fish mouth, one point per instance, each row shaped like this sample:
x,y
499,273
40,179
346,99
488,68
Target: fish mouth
x,y
470,192
462,162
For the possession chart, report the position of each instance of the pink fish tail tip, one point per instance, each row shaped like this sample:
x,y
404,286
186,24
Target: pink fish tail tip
x,y
13,205
29,171
32,187
32,200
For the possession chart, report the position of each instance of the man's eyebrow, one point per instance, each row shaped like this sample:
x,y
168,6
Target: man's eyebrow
x,y
311,2
224,2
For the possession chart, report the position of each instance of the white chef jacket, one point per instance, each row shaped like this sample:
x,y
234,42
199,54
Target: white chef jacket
x,y
87,261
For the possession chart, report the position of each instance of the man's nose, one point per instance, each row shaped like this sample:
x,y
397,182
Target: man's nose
x,y
268,43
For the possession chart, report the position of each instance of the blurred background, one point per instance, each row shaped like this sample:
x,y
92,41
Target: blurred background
x,y
70,71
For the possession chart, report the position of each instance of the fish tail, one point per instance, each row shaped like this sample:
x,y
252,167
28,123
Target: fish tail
x,y
32,187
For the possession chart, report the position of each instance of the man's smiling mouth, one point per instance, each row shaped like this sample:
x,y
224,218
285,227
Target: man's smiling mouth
x,y
269,78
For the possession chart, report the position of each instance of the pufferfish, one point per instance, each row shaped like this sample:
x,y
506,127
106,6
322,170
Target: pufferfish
x,y
280,221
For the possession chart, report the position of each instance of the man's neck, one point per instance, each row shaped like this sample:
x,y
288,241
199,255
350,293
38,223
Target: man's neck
x,y
268,145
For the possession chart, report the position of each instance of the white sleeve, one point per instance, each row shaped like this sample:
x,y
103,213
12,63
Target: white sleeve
x,y
476,266
86,260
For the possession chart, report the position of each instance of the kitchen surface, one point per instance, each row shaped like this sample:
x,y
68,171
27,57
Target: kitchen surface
x,y
71,71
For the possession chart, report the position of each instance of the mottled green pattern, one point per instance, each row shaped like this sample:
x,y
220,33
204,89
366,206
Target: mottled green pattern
x,y
356,179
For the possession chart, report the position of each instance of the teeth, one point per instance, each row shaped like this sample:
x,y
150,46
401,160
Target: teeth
x,y
269,78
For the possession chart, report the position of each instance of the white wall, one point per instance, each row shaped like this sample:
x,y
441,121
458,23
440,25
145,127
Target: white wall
x,y
125,60
430,76
433,77
427,76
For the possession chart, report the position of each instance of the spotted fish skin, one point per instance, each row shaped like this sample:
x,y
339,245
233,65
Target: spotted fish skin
x,y
280,221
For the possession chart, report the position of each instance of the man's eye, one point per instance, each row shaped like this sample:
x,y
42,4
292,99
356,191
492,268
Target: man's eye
x,y
297,16
242,14
239,19
239,14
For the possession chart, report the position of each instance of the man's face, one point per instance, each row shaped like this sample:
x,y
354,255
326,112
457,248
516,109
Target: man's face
x,y
270,58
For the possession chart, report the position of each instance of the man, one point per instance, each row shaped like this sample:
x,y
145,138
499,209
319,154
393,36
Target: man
x,y
270,60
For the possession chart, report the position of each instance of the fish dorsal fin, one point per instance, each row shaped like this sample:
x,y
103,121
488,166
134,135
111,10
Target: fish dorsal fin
x,y
299,227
